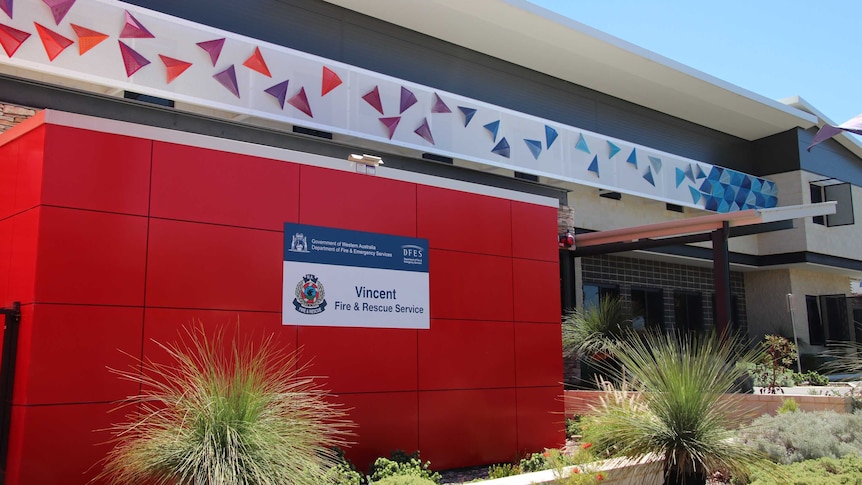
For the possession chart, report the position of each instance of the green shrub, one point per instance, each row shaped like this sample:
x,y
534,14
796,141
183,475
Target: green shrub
x,y
503,470
533,463
344,473
822,471
788,405
762,375
400,463
814,378
793,437
573,426
405,480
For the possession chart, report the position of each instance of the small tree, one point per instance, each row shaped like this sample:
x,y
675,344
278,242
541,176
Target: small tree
x,y
779,355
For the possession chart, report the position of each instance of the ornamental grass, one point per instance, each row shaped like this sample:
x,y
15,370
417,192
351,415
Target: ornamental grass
x,y
218,412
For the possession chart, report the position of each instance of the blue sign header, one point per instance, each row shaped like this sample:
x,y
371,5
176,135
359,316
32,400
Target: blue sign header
x,y
326,245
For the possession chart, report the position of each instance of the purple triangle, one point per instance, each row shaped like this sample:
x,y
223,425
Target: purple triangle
x,y
59,8
408,99
279,92
132,61
425,131
134,29
391,124
300,102
6,6
227,78
439,105
373,98
213,48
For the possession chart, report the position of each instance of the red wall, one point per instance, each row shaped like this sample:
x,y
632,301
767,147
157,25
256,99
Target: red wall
x,y
110,241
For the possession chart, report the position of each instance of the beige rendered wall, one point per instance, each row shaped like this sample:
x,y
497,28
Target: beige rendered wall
x,y
765,296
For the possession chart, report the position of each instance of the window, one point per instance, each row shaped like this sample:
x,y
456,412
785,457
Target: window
x,y
595,292
828,318
647,309
833,190
816,335
688,311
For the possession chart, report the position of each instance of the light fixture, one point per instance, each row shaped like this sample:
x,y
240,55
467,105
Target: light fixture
x,y
366,164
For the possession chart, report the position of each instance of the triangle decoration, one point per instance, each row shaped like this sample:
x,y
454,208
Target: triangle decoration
x,y
550,136
689,174
300,102
279,92
633,158
373,98
6,6
535,147
439,105
132,61
493,128
256,63
53,42
330,81
408,99
680,177
468,114
134,29
699,175
612,150
11,39
87,38
174,67
502,148
695,194
425,131
649,177
391,124
227,78
594,166
59,8
656,163
212,48
582,144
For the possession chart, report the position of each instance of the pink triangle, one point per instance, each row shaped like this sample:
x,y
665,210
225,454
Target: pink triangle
x,y
300,102
131,59
213,48
11,39
373,98
174,67
439,105
408,99
6,6
134,29
227,78
331,80
59,8
425,131
53,42
391,124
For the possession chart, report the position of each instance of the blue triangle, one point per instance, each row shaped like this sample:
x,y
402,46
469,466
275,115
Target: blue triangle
x,y
723,206
550,136
771,201
757,185
729,193
736,178
502,148
759,200
648,177
769,188
714,174
706,187
718,190
594,166
734,207
700,173
725,177
535,147
751,200
582,144
689,173
680,176
656,163
468,114
742,196
695,194
613,149
633,157
746,182
493,127
711,204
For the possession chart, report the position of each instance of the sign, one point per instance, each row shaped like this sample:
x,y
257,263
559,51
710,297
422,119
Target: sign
x,y
340,278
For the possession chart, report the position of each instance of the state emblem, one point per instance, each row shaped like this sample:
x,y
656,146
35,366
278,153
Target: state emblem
x,y
310,295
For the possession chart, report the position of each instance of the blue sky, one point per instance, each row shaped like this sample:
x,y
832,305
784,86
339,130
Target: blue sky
x,y
774,48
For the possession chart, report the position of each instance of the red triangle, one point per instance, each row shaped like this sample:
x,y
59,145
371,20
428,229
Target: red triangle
x,y
11,39
256,63
54,43
373,98
175,67
330,81
87,39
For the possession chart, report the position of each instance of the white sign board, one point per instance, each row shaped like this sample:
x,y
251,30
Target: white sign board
x,y
340,278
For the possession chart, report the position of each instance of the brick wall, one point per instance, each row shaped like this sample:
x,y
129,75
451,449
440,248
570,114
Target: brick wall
x,y
11,115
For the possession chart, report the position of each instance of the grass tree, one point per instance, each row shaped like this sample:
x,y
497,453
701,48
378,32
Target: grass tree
x,y
679,413
219,412
594,330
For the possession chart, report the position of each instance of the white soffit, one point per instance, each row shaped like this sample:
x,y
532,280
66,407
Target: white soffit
x,y
520,32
